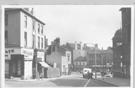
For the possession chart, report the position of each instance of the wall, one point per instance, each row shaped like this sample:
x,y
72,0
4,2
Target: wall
x,y
54,58
27,69
68,55
30,32
13,28
64,64
77,53
27,29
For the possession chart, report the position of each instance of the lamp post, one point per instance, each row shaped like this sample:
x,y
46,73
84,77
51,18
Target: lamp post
x,y
95,58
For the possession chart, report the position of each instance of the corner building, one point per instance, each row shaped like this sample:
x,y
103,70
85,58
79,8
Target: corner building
x,y
24,34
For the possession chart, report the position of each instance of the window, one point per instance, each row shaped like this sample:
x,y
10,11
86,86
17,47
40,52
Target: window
x,y
6,19
81,63
6,37
42,30
74,63
25,39
38,42
38,28
78,63
85,63
128,32
33,41
42,43
33,25
90,61
25,21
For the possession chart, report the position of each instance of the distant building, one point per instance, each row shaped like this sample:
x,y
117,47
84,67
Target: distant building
x,y
107,59
23,34
117,53
59,56
93,55
102,59
76,51
80,63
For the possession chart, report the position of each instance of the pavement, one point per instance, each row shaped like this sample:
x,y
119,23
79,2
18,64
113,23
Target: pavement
x,y
116,81
44,79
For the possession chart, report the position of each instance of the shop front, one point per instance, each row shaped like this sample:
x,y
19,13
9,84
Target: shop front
x,y
18,62
41,65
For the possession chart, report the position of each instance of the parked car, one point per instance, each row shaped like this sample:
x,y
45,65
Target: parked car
x,y
85,72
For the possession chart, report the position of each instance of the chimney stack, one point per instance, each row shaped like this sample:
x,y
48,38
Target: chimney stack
x,y
96,45
80,45
76,45
32,11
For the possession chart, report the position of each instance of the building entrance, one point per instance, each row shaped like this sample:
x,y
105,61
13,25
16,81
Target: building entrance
x,y
17,65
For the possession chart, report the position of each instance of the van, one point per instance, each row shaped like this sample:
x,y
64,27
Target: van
x,y
85,72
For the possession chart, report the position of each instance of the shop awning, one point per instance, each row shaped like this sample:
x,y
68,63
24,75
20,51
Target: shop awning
x,y
44,64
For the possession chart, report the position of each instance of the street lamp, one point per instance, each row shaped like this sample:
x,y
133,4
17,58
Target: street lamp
x,y
95,58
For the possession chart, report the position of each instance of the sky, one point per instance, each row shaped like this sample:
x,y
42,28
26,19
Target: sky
x,y
95,24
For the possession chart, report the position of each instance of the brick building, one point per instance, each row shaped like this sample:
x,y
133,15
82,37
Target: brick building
x,y
126,34
122,46
60,56
80,63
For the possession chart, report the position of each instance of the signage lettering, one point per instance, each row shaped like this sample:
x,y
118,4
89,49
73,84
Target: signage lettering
x,y
27,52
9,51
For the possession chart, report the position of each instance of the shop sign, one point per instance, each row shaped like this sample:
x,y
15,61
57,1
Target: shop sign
x,y
10,51
40,55
28,53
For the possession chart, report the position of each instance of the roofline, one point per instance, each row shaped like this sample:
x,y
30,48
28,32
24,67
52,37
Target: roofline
x,y
27,14
124,8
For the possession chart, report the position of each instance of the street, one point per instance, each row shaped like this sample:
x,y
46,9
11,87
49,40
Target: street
x,y
74,80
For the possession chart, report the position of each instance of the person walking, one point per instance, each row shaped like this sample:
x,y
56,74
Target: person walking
x,y
103,74
91,74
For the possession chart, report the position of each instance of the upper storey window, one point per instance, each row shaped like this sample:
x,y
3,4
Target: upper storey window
x,y
25,21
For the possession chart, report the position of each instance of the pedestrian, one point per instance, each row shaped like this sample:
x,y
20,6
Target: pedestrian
x,y
103,74
91,74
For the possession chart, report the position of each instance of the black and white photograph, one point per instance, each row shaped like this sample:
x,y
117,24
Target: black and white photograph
x,y
68,45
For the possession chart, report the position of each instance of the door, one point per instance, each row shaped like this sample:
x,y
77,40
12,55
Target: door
x,y
17,68
17,65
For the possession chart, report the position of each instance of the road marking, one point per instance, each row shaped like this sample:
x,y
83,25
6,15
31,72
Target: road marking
x,y
87,82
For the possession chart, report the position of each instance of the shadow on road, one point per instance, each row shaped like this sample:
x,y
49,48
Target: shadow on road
x,y
76,82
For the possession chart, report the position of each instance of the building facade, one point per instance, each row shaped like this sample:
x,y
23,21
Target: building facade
x,y
60,56
126,33
80,63
117,53
101,59
23,34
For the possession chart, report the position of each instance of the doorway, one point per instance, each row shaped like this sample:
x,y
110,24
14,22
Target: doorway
x,y
17,65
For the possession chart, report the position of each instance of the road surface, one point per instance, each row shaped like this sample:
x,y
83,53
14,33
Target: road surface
x,y
75,80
